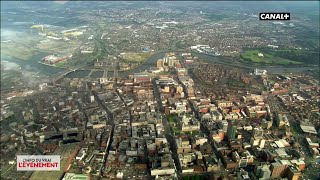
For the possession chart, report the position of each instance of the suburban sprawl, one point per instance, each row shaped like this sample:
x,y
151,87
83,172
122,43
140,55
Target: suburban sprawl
x,y
160,90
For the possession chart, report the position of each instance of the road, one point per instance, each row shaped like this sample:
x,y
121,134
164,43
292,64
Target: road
x,y
110,122
3,173
168,132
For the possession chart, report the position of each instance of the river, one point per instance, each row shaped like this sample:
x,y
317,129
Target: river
x,y
150,62
33,65
227,61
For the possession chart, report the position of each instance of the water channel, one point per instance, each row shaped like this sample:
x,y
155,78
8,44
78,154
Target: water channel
x,y
33,65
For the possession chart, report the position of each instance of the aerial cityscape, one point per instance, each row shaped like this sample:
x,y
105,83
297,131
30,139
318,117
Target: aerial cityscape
x,y
162,90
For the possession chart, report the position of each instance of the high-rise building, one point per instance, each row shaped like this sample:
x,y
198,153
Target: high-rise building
x,y
170,62
179,89
266,124
257,133
224,125
231,132
293,173
278,169
160,63
262,143
166,89
263,172
91,99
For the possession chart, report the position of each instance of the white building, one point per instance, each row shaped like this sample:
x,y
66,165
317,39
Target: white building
x,y
260,72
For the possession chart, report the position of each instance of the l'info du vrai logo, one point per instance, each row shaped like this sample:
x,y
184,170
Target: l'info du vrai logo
x,y
38,162
278,16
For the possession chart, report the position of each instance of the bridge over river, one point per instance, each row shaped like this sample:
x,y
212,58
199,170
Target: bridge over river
x,y
60,74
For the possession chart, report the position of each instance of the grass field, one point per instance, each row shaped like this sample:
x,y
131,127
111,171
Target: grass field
x,y
136,57
174,124
252,56
60,64
172,118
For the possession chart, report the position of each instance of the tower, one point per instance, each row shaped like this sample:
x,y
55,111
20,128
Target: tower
x,y
104,78
115,70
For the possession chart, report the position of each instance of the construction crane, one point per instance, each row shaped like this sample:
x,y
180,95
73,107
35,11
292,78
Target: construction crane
x,y
73,33
50,33
38,26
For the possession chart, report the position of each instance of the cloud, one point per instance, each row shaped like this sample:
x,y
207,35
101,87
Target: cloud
x,y
10,66
8,34
60,2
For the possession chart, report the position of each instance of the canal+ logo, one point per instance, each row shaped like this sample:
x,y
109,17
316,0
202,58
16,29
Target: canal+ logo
x,y
278,16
